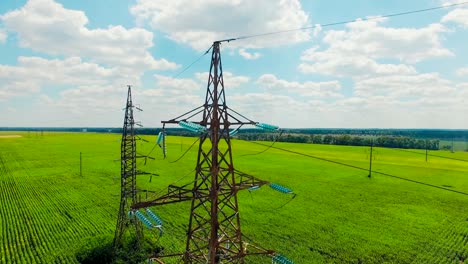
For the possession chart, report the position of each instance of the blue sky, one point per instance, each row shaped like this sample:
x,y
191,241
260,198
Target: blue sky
x,y
67,63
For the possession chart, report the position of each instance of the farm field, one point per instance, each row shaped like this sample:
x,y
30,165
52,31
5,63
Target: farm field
x,y
48,212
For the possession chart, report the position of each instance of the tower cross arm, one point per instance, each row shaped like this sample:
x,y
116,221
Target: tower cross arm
x,y
174,194
245,181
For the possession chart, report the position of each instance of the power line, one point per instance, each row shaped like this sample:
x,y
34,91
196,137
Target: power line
x,y
359,168
191,64
265,150
321,26
185,152
432,155
350,21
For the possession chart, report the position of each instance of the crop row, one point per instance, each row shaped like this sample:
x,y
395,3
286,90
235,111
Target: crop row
x,y
451,246
40,223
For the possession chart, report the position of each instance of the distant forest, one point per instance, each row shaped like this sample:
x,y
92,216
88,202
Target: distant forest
x,y
390,138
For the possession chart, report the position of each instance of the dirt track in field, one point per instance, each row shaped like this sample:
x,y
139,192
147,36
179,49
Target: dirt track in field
x,y
10,136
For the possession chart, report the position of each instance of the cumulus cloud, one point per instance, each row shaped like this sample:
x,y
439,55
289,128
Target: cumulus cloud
x,y
409,87
31,74
46,26
333,63
462,72
357,50
3,36
354,112
176,87
281,110
371,39
452,2
309,89
249,56
199,23
458,16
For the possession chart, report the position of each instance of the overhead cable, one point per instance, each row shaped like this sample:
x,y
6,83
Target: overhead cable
x,y
349,21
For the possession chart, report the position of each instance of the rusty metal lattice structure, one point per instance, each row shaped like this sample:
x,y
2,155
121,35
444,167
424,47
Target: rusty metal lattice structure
x,y
214,229
128,172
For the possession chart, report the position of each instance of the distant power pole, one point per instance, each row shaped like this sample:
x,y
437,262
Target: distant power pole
x,y
370,158
452,145
426,150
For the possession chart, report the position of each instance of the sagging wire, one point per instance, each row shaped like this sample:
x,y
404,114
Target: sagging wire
x,y
268,147
368,18
276,208
191,64
431,155
191,146
364,169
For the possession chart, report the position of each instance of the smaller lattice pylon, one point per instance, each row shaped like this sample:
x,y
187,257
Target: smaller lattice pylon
x,y
128,173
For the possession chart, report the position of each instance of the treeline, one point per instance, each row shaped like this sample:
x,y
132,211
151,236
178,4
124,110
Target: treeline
x,y
347,140
391,138
447,134
460,134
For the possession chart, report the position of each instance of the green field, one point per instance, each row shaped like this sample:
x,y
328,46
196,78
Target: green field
x,y
48,211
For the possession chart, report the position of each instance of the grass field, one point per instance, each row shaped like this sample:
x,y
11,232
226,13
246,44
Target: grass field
x,y
48,211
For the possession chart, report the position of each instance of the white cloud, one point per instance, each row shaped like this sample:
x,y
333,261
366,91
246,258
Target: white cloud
x,y
280,110
424,101
3,36
168,98
354,112
358,49
405,44
31,74
46,26
176,87
76,99
317,29
336,63
230,80
452,2
199,23
401,86
459,16
249,56
310,89
462,72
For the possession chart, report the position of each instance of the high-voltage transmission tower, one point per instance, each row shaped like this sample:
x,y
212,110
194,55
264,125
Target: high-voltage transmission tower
x,y
214,229
128,172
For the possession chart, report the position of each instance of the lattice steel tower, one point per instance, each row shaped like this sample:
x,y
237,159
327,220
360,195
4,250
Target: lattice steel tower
x,y
128,171
214,230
